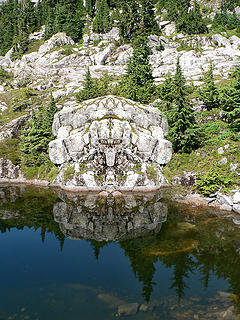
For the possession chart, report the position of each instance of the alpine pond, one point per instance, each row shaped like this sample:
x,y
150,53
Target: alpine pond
x,y
141,256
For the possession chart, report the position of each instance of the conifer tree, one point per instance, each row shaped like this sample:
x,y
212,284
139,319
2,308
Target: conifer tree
x,y
90,4
148,17
102,23
90,88
184,133
209,93
230,101
50,24
130,19
34,141
191,22
166,92
138,83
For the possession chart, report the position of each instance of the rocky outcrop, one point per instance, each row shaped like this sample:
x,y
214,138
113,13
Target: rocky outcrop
x,y
110,142
12,129
9,171
51,67
110,219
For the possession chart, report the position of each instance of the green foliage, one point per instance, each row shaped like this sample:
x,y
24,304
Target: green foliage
x,y
34,141
226,20
192,22
138,84
129,19
209,93
4,75
23,99
94,88
148,22
184,133
67,51
188,20
68,173
9,149
166,91
213,180
101,23
230,101
152,173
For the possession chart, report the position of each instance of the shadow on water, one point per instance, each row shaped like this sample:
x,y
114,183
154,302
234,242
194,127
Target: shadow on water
x,y
185,260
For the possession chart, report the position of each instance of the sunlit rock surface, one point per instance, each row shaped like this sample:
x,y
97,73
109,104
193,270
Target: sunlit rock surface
x,y
111,218
110,142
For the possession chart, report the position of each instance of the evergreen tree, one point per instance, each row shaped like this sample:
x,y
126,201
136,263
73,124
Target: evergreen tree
x,y
183,133
191,22
90,88
209,93
148,17
138,83
102,23
8,24
166,92
50,24
34,141
230,101
90,4
129,19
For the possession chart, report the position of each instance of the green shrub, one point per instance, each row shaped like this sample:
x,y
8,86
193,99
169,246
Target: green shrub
x,y
152,173
4,75
213,180
68,173
67,51
9,149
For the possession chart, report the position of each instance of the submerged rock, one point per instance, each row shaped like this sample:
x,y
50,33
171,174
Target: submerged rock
x,y
110,142
128,309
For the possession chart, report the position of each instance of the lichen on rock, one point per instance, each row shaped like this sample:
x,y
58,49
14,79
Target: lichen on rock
x,y
110,142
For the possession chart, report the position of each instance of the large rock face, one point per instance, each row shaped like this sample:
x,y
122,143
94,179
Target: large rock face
x,y
110,142
50,67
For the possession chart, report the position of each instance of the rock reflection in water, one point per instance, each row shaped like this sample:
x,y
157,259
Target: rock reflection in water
x,y
110,218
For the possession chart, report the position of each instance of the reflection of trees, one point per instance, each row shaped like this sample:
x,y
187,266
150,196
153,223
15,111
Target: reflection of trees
x,y
142,265
32,208
217,252
183,264
97,245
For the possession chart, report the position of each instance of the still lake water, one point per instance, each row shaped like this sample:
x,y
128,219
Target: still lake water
x,y
82,257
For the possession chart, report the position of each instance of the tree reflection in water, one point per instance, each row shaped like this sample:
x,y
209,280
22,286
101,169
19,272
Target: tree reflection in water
x,y
148,229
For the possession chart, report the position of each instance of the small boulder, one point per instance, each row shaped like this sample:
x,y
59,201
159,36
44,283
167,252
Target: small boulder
x,y
236,208
223,161
128,309
236,198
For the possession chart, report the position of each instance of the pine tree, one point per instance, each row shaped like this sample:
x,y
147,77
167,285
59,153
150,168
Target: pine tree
x,y
148,17
8,24
102,23
50,24
191,22
209,93
130,19
230,101
138,84
184,133
166,92
34,141
90,88
90,4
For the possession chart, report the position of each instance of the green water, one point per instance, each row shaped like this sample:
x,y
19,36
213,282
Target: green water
x,y
68,256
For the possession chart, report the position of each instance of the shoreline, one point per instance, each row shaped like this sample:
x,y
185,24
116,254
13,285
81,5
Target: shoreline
x,y
220,201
